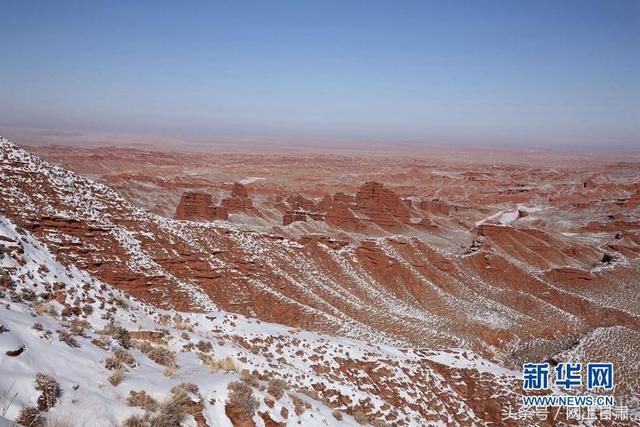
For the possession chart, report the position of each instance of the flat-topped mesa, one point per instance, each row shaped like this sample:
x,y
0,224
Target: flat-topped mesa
x,y
239,200
198,206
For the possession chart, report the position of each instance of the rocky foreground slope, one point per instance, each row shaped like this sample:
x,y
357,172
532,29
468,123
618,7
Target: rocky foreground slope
x,y
437,313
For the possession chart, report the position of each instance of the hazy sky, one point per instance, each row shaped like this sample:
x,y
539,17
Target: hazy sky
x,y
557,72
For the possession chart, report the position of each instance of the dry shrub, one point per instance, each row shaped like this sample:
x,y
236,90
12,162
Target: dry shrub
x,y
117,376
135,421
298,404
119,359
68,338
181,323
226,364
30,416
186,388
101,342
169,371
78,326
162,356
361,417
204,346
50,391
38,327
337,415
142,345
121,302
170,413
41,308
276,388
118,333
142,400
247,377
241,396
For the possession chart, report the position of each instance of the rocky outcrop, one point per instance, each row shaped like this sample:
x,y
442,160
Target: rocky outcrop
x,y
435,206
381,205
373,204
198,206
239,200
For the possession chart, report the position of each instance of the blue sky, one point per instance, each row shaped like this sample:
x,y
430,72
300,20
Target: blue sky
x,y
506,72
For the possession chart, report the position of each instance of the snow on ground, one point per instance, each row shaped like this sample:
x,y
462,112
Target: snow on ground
x,y
250,179
256,350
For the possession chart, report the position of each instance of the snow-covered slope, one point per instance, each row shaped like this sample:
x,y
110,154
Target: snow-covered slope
x,y
39,317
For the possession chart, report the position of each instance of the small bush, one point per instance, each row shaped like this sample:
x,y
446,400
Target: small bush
x,y
41,308
162,356
241,396
142,400
78,326
68,338
119,333
181,323
298,404
117,376
172,411
119,359
30,416
361,417
186,388
37,327
204,346
276,388
169,371
135,421
50,391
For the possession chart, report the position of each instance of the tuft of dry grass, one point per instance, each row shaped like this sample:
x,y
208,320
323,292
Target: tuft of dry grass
x,y
298,404
172,411
42,308
50,391
187,388
119,359
169,413
169,371
67,337
162,356
276,388
204,346
135,421
361,417
226,364
117,376
142,400
117,332
78,326
241,396
31,417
